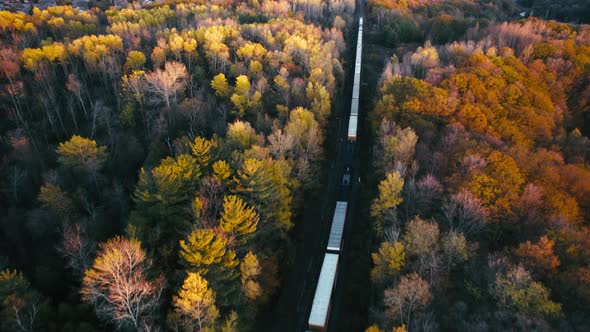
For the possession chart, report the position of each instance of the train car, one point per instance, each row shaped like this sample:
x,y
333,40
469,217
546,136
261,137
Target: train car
x,y
322,300
354,106
337,229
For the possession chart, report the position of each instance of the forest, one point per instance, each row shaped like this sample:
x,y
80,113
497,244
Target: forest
x,y
481,175
156,159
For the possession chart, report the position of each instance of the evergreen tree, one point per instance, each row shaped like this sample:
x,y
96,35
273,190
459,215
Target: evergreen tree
x,y
201,149
208,254
237,219
163,197
255,185
204,249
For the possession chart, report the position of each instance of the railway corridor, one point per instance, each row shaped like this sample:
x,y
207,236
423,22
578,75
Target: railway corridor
x,y
333,244
292,310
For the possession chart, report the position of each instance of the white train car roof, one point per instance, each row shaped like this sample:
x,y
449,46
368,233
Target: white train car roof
x,y
354,107
352,125
320,309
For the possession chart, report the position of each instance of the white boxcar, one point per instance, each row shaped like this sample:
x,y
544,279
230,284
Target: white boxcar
x,y
320,309
337,229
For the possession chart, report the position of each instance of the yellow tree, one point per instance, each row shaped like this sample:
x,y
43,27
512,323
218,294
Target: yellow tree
x,y
81,153
135,60
320,100
499,186
241,135
241,95
388,260
195,303
243,99
251,51
389,190
373,328
98,52
250,270
308,137
220,85
42,62
389,198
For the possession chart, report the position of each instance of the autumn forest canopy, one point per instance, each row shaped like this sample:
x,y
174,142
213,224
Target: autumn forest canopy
x,y
156,161
481,176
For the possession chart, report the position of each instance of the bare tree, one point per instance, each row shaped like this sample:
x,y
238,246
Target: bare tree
x,y
465,212
211,195
117,284
308,136
20,304
428,196
281,143
75,87
164,85
411,294
76,248
395,147
422,242
455,248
